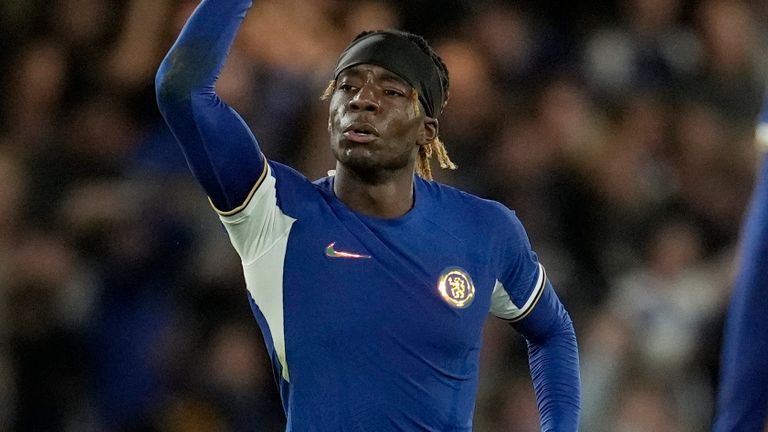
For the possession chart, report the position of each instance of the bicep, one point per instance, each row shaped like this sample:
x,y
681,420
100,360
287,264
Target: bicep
x,y
520,278
512,307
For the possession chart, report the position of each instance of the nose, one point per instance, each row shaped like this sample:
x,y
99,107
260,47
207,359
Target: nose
x,y
364,100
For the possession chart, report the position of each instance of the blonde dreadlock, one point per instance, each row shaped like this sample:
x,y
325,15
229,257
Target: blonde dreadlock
x,y
423,167
426,151
329,90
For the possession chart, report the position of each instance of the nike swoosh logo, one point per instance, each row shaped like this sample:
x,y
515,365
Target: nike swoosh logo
x,y
333,253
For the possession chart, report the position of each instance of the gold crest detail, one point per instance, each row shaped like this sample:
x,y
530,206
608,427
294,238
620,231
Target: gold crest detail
x,y
456,287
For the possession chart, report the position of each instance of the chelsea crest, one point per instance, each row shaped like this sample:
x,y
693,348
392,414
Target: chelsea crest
x,y
456,287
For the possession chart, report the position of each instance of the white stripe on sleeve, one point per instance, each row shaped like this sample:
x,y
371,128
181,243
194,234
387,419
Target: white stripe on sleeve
x,y
503,307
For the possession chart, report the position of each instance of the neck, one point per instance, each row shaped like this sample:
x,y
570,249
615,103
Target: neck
x,y
384,196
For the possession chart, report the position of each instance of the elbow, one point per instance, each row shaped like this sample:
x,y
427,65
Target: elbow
x,y
560,332
186,75
179,86
178,78
170,87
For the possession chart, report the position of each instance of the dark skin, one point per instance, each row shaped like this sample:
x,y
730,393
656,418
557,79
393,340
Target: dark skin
x,y
376,131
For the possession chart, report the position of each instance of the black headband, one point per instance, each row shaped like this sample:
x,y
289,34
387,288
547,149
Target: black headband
x,y
397,54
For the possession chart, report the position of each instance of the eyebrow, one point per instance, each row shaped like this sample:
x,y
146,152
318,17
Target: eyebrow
x,y
383,75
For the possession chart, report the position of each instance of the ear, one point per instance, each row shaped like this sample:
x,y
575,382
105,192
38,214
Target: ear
x,y
428,131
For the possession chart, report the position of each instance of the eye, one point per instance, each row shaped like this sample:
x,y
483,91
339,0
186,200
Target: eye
x,y
346,87
392,92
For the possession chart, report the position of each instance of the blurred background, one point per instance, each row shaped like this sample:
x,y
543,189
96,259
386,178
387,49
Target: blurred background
x,y
620,132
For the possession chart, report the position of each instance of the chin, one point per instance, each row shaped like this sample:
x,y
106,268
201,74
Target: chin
x,y
364,161
348,153
357,161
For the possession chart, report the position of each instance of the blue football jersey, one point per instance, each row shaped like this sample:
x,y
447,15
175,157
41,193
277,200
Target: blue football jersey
x,y
375,324
371,324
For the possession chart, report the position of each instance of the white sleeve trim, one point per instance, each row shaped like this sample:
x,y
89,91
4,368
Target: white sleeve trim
x,y
503,307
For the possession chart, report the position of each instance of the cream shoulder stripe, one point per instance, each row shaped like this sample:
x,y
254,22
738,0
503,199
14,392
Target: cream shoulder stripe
x,y
247,200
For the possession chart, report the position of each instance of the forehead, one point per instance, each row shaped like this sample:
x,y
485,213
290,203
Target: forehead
x,y
378,72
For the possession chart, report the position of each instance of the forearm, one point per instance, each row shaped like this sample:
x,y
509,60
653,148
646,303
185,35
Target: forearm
x,y
554,363
555,372
219,147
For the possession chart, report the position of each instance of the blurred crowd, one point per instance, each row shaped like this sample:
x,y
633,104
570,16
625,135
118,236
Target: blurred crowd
x,y
619,131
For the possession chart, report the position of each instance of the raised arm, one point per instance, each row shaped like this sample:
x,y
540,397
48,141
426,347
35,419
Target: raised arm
x,y
219,147
742,403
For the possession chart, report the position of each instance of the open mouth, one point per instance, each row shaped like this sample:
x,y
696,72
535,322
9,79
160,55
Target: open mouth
x,y
361,133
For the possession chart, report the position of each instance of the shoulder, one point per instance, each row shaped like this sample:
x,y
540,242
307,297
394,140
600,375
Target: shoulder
x,y
448,200
294,192
288,179
451,207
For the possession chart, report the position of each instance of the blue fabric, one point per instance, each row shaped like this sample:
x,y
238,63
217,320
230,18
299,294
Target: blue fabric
x,y
554,361
219,147
383,347
743,392
370,343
